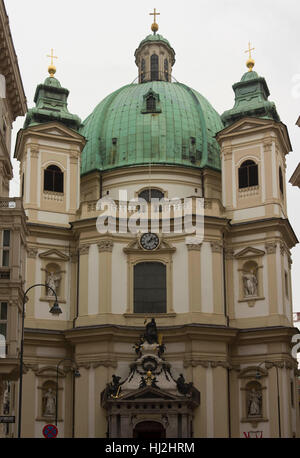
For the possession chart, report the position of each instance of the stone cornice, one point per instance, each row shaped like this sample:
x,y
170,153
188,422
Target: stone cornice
x,y
10,69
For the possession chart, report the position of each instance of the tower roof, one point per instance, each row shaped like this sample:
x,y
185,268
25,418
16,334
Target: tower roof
x,y
251,99
51,105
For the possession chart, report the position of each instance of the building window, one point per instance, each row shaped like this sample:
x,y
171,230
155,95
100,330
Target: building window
x,y
150,294
151,103
3,328
154,67
4,248
166,69
286,283
280,181
248,174
143,67
149,194
53,179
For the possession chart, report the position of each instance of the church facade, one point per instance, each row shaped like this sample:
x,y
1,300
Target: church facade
x,y
161,333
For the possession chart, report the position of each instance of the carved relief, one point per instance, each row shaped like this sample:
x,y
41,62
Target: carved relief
x,y
105,246
270,247
216,247
32,252
84,249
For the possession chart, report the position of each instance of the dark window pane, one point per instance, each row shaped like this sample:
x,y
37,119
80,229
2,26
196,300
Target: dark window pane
x,y
280,180
253,175
58,182
154,67
243,178
151,103
53,179
48,180
6,238
248,174
149,194
143,70
3,311
166,68
150,295
5,258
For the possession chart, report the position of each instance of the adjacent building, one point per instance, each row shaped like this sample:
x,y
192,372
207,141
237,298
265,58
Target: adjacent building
x,y
12,225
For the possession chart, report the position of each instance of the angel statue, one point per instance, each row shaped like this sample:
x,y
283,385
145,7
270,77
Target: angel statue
x,y
250,283
53,280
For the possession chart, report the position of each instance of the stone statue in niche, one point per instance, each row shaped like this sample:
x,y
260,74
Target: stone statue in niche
x,y
53,280
254,403
49,403
250,283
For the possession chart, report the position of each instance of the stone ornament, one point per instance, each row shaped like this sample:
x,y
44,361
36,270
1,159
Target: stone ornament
x,y
53,280
270,247
105,246
49,399
254,403
84,249
32,252
216,247
250,283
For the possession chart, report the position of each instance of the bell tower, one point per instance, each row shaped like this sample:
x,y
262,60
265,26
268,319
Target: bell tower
x,y
154,57
49,148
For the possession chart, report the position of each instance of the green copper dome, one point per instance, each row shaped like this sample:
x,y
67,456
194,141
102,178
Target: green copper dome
x,y
177,128
155,37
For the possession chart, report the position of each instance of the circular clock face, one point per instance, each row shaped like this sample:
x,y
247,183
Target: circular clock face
x,y
149,241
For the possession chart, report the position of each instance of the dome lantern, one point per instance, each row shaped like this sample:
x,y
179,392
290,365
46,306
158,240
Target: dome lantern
x,y
154,57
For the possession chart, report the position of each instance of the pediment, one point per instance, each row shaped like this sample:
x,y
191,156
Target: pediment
x,y
57,129
134,246
256,124
49,371
149,393
249,252
253,372
54,255
245,124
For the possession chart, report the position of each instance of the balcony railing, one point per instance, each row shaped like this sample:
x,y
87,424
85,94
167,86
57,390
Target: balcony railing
x,y
10,203
4,273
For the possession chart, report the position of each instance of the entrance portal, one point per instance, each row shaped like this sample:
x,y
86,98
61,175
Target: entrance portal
x,y
149,430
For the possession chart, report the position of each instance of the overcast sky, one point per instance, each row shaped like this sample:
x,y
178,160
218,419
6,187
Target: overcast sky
x,y
95,41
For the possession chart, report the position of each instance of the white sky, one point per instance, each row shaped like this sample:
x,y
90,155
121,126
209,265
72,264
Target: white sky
x,y
95,41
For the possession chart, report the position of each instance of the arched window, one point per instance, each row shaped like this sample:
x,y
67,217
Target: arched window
x,y
149,194
166,69
150,292
53,179
248,174
280,181
154,67
143,66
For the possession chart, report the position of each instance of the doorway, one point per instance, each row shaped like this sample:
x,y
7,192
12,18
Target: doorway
x,y
149,430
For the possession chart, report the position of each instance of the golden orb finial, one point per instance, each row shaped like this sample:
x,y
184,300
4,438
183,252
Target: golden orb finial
x,y
154,26
52,68
250,62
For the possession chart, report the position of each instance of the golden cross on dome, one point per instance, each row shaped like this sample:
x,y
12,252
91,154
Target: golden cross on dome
x,y
250,62
51,68
154,14
52,56
154,26
249,50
